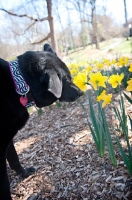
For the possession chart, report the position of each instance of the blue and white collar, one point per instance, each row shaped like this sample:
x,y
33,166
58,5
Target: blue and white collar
x,y
22,88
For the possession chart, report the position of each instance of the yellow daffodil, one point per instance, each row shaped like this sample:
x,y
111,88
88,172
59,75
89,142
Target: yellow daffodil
x,y
89,68
108,63
115,80
100,97
123,61
105,98
129,87
105,60
130,69
99,65
81,81
119,64
96,80
73,65
74,71
113,62
83,63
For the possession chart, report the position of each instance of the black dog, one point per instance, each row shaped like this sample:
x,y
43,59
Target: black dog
x,y
34,78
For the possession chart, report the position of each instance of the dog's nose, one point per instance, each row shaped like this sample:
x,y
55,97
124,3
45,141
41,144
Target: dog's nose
x,y
81,93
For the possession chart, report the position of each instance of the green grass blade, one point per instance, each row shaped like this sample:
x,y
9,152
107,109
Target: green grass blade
x,y
109,141
128,98
129,148
93,118
128,165
94,137
93,133
120,119
102,141
130,121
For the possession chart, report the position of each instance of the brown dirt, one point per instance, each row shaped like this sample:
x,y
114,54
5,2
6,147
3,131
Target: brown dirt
x,y
60,146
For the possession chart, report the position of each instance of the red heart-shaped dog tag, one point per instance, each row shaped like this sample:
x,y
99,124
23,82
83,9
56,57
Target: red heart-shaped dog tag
x,y
23,100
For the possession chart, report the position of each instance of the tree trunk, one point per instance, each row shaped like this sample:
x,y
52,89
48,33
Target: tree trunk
x,y
51,24
82,25
125,11
94,23
69,21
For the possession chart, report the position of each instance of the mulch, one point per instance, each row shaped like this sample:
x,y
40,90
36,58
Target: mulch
x,y
68,167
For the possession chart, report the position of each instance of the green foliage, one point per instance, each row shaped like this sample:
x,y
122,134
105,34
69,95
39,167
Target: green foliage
x,y
128,98
58,104
100,131
122,118
127,159
123,47
121,68
39,111
96,129
121,115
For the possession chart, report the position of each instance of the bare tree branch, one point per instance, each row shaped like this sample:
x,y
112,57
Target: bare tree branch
x,y
24,15
30,26
42,40
24,31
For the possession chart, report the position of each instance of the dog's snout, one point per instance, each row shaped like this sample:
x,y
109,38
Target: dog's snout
x,y
78,91
81,93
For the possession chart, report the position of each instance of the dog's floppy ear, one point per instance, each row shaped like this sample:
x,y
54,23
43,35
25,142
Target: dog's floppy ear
x,y
54,82
48,48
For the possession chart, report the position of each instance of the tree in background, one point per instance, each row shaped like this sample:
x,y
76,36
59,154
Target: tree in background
x,y
126,21
94,23
34,20
65,24
125,11
87,13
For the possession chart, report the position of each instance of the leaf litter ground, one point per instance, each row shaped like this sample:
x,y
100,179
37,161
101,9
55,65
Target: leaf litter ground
x,y
68,167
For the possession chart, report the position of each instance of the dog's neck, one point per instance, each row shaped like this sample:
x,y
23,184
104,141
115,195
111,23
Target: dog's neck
x,y
21,86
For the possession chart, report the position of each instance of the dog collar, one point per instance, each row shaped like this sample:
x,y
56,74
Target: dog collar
x,y
21,86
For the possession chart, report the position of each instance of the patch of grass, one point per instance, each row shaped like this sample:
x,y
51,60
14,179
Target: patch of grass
x,y
84,54
124,47
79,54
105,44
90,52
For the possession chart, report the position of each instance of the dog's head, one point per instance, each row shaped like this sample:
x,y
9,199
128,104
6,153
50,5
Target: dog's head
x,y
48,77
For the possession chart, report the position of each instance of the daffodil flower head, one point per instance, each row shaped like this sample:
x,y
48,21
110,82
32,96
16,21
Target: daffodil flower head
x,y
116,79
113,62
129,87
74,71
89,68
105,98
101,96
73,65
123,61
97,79
80,80
130,69
99,65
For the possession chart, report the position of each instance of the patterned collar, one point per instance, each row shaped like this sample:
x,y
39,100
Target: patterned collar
x,y
21,86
